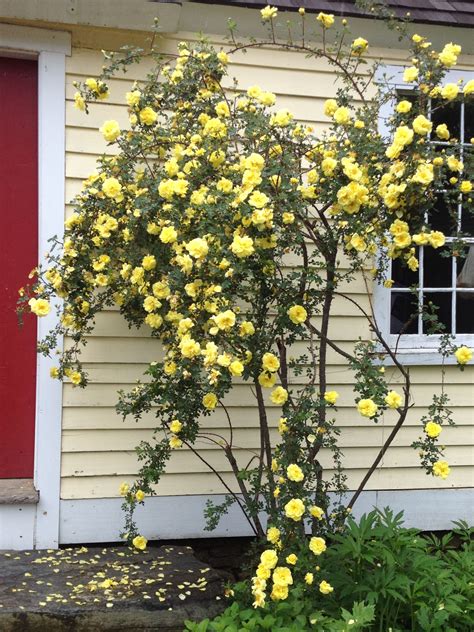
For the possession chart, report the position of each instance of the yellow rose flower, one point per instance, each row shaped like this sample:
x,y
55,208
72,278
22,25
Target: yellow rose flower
x,y
225,320
124,489
330,106
242,246
140,495
111,187
331,397
316,512
168,235
110,130
279,592
295,473
342,115
140,542
325,588
273,535
148,262
463,355
147,116
197,248
367,407
422,125
279,396
270,362
432,429
209,401
246,328
442,131
79,102
269,559
441,469
410,74
465,186
393,399
436,239
268,13
309,578
404,106
326,19
359,45
258,199
294,509
450,91
39,306
291,559
297,314
317,545
282,118
236,368
133,98
469,87
189,348
267,380
282,576
175,442
176,426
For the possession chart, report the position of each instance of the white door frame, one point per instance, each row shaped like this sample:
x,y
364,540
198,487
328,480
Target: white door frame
x,y
50,49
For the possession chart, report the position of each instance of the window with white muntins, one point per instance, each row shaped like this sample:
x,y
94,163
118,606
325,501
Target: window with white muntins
x,y
444,281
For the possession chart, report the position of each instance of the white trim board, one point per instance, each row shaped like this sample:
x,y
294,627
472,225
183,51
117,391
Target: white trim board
x,y
50,48
179,517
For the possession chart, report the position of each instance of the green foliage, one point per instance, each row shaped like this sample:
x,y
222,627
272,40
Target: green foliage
x,y
296,614
385,578
414,583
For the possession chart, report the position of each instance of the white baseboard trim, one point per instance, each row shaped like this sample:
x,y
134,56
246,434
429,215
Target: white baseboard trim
x,y
17,526
169,517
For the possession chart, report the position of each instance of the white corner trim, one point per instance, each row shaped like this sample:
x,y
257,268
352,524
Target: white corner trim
x,y
51,184
34,40
180,517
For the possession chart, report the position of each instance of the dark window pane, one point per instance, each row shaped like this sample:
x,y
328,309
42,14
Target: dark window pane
x,y
403,317
468,121
449,113
465,313
437,269
467,222
465,269
443,217
402,276
439,304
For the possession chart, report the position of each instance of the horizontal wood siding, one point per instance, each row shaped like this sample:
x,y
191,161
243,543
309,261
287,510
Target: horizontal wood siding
x,y
98,447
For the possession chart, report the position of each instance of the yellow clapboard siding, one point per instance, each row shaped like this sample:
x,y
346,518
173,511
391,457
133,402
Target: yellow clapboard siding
x,y
351,439
129,372
113,324
112,463
106,418
197,483
115,356
106,395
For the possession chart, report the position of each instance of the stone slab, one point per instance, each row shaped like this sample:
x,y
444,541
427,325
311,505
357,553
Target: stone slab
x,y
18,491
113,589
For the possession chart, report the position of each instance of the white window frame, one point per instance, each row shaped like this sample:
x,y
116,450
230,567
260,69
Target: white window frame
x,y
412,348
49,48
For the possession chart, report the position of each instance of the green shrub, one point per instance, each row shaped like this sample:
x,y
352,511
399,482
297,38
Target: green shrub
x,y
295,614
386,578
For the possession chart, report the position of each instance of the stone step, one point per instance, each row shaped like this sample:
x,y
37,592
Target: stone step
x,y
114,589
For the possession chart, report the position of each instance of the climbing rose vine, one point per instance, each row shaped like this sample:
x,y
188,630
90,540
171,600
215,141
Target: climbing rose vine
x,y
228,230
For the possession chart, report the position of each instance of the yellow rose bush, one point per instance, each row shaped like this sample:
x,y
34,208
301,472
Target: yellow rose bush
x,y
188,228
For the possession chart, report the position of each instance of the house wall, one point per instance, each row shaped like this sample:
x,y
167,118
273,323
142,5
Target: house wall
x,y
97,446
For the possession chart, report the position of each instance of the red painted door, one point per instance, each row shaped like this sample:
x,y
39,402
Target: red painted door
x,y
18,255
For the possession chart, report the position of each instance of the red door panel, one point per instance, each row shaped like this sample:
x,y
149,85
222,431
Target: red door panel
x,y
18,255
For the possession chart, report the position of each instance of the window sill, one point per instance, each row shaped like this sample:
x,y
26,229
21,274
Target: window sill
x,y
417,357
18,491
